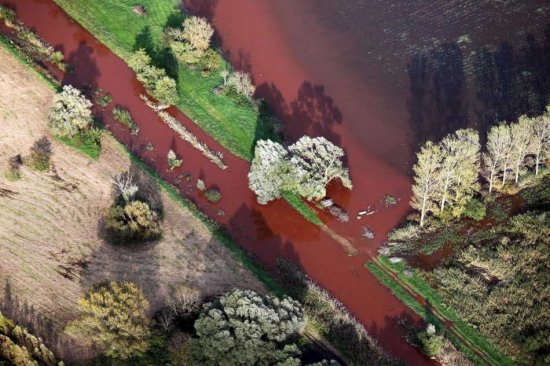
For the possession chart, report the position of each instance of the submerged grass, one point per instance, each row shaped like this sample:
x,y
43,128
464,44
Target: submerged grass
x,y
302,207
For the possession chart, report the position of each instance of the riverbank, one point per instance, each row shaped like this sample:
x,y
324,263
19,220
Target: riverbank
x,y
269,232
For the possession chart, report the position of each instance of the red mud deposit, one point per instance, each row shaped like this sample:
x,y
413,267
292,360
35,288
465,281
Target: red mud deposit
x,y
274,230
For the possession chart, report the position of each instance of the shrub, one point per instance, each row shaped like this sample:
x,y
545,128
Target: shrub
x,y
173,161
430,342
123,116
408,232
201,186
241,83
39,159
14,165
102,98
133,221
475,209
113,317
210,60
184,299
197,32
213,195
70,113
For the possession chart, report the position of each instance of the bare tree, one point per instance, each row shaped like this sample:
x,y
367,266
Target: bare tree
x,y
427,176
184,299
166,319
541,137
126,187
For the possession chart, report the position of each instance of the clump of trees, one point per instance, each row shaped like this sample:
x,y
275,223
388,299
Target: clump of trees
x,y
430,341
113,318
447,173
155,80
245,328
19,347
304,168
130,219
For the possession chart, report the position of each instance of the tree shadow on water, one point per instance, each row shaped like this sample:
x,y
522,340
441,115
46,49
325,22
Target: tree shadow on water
x,y
160,52
82,72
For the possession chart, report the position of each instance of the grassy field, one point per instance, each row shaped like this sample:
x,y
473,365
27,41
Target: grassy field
x,y
52,245
115,24
381,268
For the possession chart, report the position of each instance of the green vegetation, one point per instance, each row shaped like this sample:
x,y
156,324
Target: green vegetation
x,y
213,195
123,116
19,347
88,143
123,31
113,318
302,207
39,158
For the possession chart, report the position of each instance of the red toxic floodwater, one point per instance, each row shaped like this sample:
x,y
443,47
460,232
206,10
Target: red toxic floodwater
x,y
321,80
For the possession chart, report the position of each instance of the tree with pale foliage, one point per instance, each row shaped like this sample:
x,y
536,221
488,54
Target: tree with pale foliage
x,y
270,172
459,170
197,32
242,83
70,113
113,317
521,141
305,168
316,162
184,299
498,152
245,328
426,180
541,138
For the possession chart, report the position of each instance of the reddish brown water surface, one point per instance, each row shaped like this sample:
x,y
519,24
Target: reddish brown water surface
x,y
321,81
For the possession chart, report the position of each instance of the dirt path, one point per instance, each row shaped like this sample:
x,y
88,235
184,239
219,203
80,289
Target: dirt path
x,y
50,245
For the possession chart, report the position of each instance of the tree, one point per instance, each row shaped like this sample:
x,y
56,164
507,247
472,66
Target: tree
x,y
316,161
41,151
113,317
426,180
270,171
431,342
197,32
241,83
134,221
521,141
125,186
459,169
498,147
541,137
184,299
70,113
155,80
245,328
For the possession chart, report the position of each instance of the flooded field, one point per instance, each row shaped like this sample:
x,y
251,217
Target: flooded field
x,y
360,73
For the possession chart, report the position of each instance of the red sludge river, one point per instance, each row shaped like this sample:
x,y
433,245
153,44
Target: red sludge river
x,y
322,78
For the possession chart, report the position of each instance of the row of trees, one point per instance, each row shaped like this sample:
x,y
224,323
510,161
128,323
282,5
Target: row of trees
x,y
304,168
241,327
447,173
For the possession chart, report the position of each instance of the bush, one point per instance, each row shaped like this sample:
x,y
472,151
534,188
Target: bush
x,y
241,83
113,317
70,113
89,142
14,164
132,221
213,195
102,98
39,158
210,60
475,209
123,116
173,161
430,342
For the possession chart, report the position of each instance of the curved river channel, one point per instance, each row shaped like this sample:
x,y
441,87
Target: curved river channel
x,y
319,66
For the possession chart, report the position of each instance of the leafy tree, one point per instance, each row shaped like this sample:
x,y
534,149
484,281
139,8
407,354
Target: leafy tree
x,y
498,151
197,32
541,137
270,171
113,317
426,180
521,141
459,170
245,328
155,80
135,221
316,161
70,113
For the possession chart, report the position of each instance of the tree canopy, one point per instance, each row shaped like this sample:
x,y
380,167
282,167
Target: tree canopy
x,y
70,113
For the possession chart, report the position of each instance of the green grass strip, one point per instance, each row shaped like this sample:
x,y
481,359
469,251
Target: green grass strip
x,y
302,207
420,286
